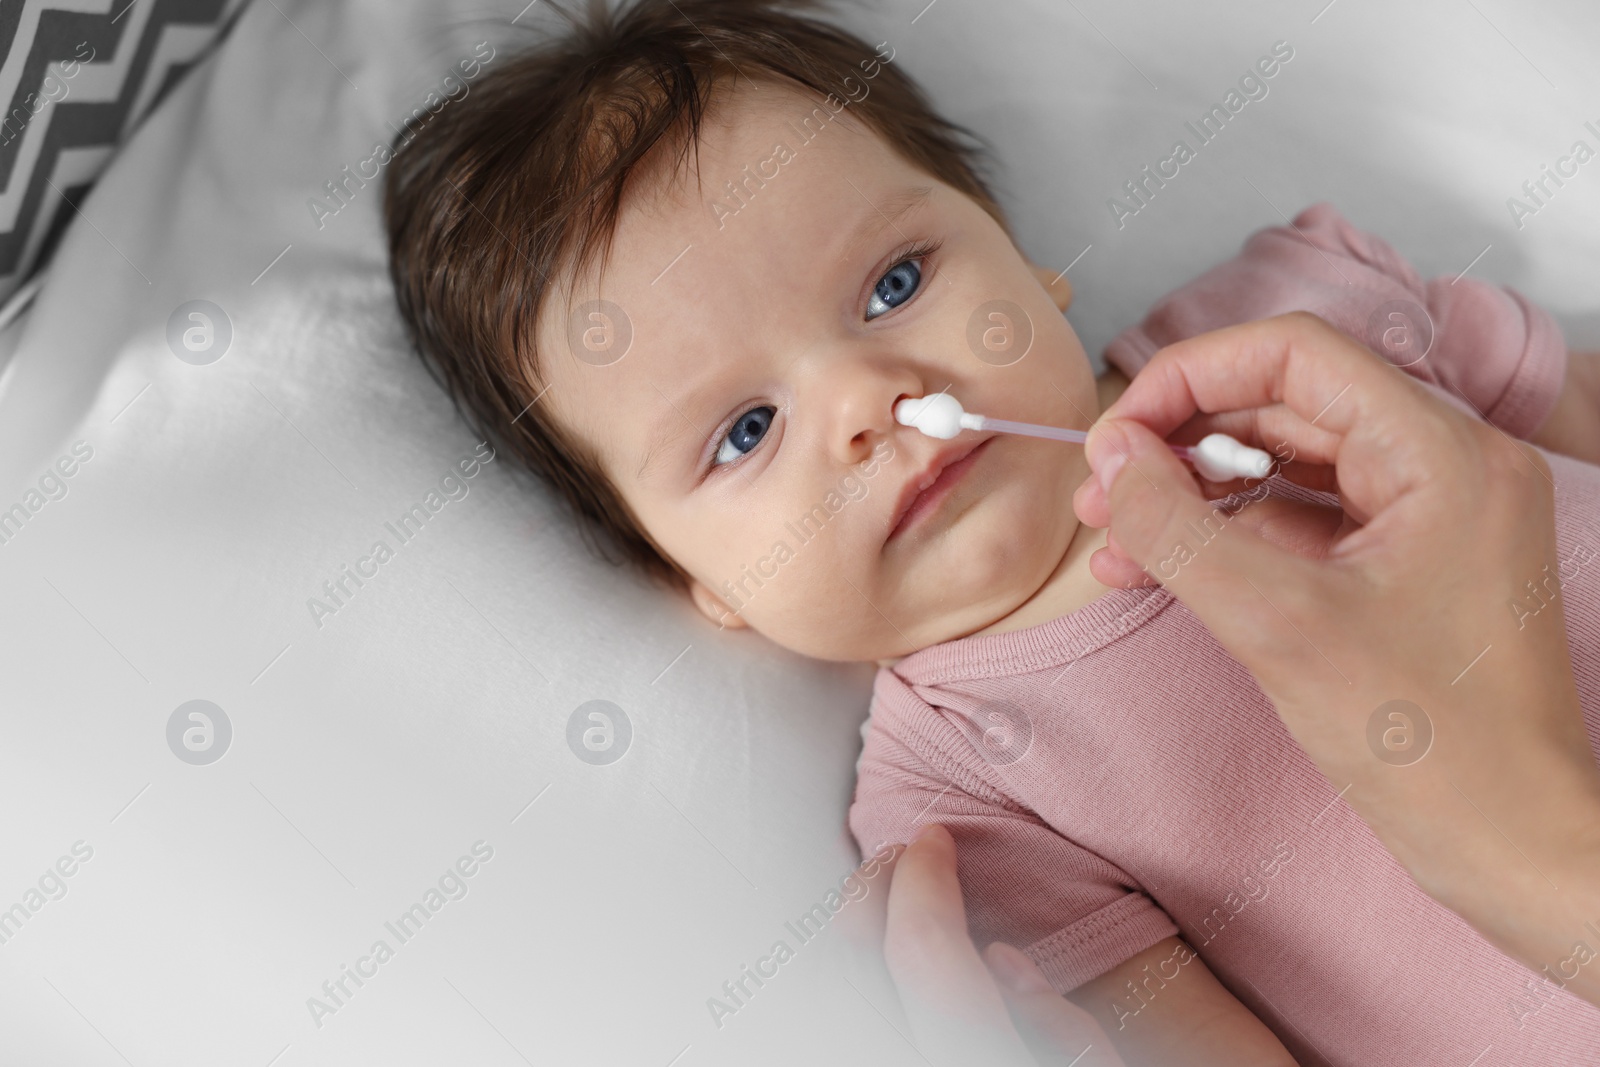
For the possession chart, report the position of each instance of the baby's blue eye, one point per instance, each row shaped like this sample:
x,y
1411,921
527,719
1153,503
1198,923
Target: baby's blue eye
x,y
894,288
744,435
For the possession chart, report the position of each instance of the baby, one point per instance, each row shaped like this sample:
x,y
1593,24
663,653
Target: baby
x,y
684,260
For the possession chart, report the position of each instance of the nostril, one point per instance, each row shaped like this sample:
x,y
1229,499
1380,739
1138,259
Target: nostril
x,y
939,415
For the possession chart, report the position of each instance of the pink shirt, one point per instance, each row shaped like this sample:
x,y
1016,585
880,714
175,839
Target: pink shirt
x,y
1113,777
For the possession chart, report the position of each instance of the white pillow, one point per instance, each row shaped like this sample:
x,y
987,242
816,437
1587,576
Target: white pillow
x,y
373,746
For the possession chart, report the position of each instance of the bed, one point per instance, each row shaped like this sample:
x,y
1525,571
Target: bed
x,y
230,769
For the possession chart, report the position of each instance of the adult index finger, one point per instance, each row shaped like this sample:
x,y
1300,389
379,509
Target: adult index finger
x,y
1340,403
1297,359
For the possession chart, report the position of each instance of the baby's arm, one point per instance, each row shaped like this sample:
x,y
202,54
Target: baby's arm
x,y
1024,883
1573,428
1165,1006
1483,345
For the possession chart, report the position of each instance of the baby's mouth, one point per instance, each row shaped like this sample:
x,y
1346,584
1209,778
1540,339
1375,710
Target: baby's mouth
x,y
923,495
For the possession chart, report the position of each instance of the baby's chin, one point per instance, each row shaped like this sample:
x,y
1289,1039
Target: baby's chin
x,y
993,558
1036,523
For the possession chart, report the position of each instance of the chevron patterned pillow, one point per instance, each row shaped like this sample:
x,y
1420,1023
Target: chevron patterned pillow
x,y
76,78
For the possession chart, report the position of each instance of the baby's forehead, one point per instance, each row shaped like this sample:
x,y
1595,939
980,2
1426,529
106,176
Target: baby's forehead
x,y
749,237
771,160
757,127
758,140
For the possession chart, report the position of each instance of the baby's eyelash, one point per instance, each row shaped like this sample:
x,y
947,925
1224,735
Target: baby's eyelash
x,y
922,249
708,464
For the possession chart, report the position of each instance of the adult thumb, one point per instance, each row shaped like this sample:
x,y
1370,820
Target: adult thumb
x,y
1217,566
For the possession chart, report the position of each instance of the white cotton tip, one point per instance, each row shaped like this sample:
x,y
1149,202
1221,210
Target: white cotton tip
x,y
1219,458
939,415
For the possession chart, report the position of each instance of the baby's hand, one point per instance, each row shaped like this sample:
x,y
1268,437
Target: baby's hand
x,y
1573,428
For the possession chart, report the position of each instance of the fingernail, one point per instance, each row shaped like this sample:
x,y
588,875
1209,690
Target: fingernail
x,y
1019,975
923,831
1109,446
1109,468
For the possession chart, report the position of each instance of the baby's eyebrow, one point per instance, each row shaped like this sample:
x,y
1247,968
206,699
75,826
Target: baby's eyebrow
x,y
879,217
665,439
872,222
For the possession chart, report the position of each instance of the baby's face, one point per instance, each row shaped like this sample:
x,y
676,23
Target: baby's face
x,y
749,422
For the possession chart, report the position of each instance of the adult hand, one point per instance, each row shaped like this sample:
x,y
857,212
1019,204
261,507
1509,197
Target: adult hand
x,y
1408,601
965,1007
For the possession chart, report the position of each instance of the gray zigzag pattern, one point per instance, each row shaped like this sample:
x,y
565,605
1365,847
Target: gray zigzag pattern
x,y
61,35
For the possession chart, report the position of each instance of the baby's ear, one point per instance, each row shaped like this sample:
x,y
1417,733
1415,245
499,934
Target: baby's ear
x,y
1055,283
714,607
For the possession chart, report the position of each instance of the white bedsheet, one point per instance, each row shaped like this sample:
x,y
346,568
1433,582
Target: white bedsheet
x,y
430,711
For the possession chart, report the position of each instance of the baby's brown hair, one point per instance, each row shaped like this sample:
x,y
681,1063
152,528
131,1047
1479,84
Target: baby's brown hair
x,y
520,183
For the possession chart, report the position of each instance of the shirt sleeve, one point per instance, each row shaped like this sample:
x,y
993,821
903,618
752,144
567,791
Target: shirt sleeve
x,y
1073,912
1485,344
